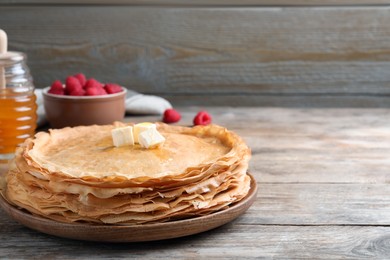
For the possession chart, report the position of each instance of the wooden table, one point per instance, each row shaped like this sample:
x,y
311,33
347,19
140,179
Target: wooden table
x,y
323,193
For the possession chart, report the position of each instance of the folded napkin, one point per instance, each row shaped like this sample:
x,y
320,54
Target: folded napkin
x,y
136,104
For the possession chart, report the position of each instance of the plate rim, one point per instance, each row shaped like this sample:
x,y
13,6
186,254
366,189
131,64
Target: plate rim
x,y
132,233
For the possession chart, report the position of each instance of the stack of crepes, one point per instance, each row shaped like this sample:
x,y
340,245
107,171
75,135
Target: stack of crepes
x,y
77,175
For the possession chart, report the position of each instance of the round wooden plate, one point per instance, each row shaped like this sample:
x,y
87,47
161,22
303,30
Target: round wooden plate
x,y
135,233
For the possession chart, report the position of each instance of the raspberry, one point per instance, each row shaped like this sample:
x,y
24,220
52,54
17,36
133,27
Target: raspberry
x,y
91,91
202,118
72,84
81,78
112,88
57,88
77,92
102,91
171,116
95,91
77,85
93,83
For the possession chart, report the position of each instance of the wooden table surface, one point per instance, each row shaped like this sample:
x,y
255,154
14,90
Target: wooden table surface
x,y
323,193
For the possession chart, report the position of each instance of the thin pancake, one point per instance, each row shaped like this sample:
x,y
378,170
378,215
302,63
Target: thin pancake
x,y
63,150
70,175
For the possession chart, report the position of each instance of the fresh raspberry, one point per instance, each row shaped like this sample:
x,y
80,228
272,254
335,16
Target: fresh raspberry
x,y
171,116
95,91
202,118
72,84
91,91
57,88
77,92
102,91
93,83
112,88
81,77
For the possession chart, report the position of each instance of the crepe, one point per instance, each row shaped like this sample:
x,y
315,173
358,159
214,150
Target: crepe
x,y
77,175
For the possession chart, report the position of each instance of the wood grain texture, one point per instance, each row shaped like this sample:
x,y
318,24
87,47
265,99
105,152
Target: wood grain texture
x,y
309,145
203,2
228,242
287,100
323,193
320,204
298,56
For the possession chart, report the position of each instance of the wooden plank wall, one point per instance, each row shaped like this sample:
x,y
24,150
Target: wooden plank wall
x,y
253,52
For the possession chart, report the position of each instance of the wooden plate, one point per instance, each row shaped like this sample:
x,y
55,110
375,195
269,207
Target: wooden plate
x,y
135,233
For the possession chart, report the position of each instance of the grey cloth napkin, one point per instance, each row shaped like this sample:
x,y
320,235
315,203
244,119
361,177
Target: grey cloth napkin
x,y
136,104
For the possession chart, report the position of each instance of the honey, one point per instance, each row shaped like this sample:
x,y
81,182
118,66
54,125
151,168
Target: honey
x,y
17,120
17,100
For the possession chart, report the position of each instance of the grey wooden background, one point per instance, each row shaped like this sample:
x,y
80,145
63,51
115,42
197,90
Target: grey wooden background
x,y
317,53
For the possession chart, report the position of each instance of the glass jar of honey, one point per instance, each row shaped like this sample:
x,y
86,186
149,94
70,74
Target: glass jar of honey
x,y
17,103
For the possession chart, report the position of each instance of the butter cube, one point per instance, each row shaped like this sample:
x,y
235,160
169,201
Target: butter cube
x,y
139,128
122,136
150,138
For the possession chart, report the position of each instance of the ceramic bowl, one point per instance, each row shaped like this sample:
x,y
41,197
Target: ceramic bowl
x,y
62,110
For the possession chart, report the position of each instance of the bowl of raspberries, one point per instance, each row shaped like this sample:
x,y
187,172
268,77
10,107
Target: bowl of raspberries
x,y
82,101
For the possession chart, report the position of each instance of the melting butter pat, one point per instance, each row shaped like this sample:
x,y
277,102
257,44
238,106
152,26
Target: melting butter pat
x,y
150,138
122,136
139,128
